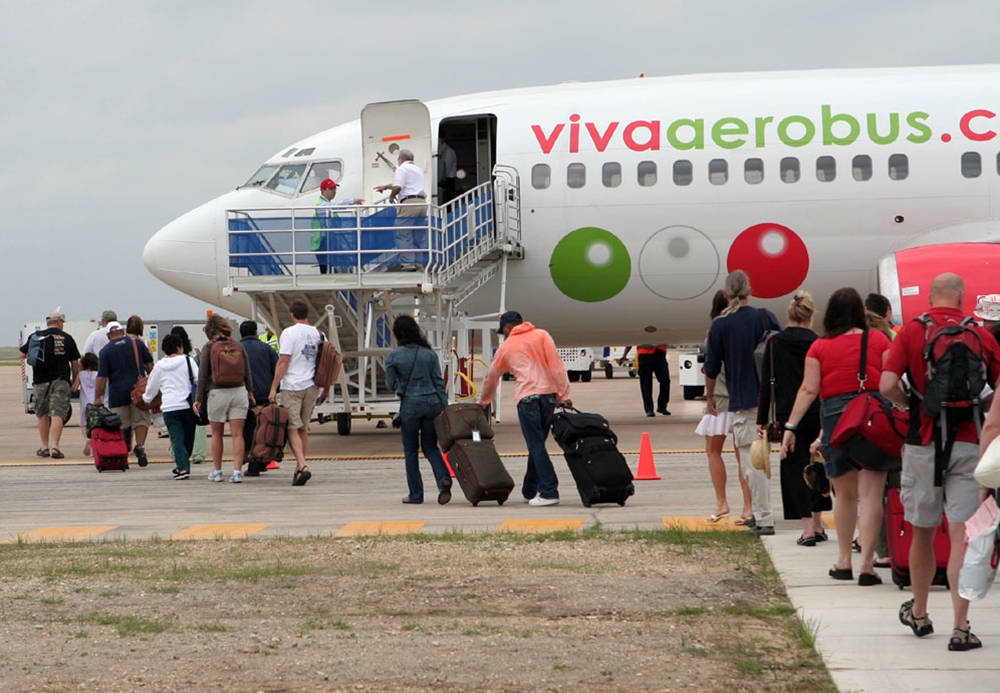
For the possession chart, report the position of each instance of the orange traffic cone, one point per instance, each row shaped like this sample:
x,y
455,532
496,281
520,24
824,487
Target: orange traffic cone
x,y
451,472
647,468
273,465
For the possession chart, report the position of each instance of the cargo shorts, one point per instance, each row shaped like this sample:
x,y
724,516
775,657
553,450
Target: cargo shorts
x,y
228,404
958,496
52,399
134,417
300,405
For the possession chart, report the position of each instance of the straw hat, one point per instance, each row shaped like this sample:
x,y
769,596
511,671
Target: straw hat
x,y
760,456
988,470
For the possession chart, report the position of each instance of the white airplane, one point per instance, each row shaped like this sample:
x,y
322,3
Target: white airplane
x,y
638,196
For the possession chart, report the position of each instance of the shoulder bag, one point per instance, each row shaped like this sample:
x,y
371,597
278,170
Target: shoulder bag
x,y
139,389
775,429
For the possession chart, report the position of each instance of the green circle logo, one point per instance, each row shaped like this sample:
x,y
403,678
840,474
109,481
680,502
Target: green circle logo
x,y
590,264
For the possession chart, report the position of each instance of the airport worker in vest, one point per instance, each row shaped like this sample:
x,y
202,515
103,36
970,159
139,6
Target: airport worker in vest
x,y
270,339
530,354
320,241
406,190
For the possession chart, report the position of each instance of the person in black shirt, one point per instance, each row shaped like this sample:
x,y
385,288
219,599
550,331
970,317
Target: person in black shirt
x,y
53,377
787,351
263,360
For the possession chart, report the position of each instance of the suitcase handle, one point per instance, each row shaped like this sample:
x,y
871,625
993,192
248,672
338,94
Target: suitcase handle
x,y
565,408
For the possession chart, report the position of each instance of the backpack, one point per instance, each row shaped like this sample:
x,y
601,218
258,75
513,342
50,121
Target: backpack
x,y
328,363
227,363
956,375
758,352
36,349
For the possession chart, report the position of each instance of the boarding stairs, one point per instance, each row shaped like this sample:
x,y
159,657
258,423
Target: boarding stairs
x,y
358,266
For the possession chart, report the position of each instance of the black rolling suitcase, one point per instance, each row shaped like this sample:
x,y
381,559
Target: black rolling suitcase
x,y
600,471
479,471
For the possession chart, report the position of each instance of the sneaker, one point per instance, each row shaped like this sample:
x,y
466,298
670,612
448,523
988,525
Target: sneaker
x,y
215,475
538,501
181,475
197,460
140,455
237,477
175,471
444,495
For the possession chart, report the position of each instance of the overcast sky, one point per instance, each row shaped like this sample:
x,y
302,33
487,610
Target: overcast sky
x,y
119,116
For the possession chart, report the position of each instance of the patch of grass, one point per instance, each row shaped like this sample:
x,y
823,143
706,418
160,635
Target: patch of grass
x,y
748,667
696,651
126,625
471,631
413,627
212,627
690,610
559,666
166,589
72,570
340,624
107,594
255,574
81,634
761,612
51,601
805,632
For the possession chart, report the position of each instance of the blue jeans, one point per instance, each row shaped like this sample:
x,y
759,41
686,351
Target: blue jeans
x,y
180,425
535,416
417,412
836,461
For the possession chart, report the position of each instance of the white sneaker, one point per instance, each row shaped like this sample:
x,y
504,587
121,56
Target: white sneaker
x,y
538,501
215,475
237,477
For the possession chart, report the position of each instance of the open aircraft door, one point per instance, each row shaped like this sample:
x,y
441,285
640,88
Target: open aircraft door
x,y
388,127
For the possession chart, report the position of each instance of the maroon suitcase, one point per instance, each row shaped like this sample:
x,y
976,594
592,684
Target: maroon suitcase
x,y
899,536
109,449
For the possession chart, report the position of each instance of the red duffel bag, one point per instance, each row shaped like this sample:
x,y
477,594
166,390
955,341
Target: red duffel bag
x,y
872,432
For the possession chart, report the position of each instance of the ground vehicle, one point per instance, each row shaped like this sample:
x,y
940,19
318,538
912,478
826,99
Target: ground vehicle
x,y
689,373
579,361
612,356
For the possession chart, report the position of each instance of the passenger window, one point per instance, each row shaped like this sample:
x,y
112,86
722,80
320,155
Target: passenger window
x,y
646,172
261,176
683,172
972,165
753,171
306,152
541,176
789,169
899,167
826,169
861,167
320,171
611,174
576,175
718,171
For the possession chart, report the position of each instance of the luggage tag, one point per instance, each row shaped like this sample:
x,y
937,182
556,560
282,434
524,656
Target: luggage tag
x,y
476,437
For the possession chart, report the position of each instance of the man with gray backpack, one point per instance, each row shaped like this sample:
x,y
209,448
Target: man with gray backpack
x,y
55,371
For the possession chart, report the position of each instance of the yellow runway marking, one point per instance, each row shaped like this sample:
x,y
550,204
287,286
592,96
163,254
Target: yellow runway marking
x,y
367,529
43,534
228,531
541,525
699,523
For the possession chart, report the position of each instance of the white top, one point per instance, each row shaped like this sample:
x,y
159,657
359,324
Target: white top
x,y
95,341
300,341
170,376
410,179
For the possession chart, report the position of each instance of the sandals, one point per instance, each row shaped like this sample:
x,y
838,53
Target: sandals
x,y
963,639
841,573
806,541
747,521
42,452
301,476
715,517
921,626
869,580
821,535
56,454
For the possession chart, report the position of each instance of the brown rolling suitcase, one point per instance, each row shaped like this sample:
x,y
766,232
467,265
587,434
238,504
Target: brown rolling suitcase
x,y
479,471
458,421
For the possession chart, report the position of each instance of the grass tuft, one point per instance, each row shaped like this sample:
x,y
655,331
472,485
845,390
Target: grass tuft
x,y
126,625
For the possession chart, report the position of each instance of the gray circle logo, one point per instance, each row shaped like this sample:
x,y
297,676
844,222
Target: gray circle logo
x,y
679,263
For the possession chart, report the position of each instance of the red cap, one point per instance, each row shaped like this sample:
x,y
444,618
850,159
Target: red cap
x,y
327,183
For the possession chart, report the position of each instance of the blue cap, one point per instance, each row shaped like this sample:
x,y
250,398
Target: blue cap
x,y
511,317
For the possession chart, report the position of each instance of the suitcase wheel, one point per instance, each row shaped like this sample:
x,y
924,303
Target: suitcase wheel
x,y
475,504
622,503
99,470
500,502
587,504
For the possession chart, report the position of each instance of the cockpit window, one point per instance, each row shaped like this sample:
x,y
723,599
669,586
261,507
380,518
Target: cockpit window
x,y
261,177
306,152
287,179
320,171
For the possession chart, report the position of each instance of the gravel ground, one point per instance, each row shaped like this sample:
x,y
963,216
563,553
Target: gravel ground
x,y
641,611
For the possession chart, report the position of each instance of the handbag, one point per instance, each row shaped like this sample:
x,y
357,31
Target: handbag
x,y
139,389
871,430
775,429
396,421
814,475
988,469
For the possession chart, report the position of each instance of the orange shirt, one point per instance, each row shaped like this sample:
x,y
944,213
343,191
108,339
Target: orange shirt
x,y
530,354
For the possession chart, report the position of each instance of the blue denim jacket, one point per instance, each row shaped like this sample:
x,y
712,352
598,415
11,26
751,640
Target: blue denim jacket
x,y
422,363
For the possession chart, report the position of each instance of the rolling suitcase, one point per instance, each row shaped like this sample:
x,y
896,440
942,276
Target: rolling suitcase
x,y
109,449
458,421
479,471
899,536
269,436
600,471
570,425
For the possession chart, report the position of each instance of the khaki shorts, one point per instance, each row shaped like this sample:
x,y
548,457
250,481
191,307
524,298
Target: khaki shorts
x,y
958,497
745,427
300,404
228,404
133,417
52,398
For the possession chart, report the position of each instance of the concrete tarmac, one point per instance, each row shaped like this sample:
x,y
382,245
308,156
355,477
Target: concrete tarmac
x,y
358,483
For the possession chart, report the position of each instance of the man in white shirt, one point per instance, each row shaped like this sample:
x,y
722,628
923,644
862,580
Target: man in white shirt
x,y
99,337
408,188
297,348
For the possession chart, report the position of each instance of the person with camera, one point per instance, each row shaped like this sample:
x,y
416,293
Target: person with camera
x,y
413,371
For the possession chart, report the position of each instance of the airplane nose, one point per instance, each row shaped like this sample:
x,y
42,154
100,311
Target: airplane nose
x,y
183,253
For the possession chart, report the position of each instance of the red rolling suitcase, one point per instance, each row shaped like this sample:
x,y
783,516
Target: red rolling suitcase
x,y
110,451
899,536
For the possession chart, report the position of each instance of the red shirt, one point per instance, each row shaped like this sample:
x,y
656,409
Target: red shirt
x,y
907,356
840,358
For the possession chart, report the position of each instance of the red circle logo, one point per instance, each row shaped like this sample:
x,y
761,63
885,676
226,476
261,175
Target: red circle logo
x,y
773,256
